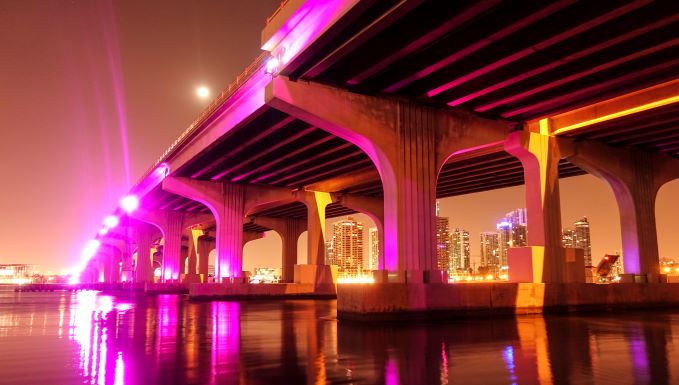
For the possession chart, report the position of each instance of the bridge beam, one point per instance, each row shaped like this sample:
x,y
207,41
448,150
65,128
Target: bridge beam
x,y
635,177
408,144
289,230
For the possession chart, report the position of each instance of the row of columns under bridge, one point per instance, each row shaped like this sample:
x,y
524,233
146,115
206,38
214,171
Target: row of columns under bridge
x,y
409,144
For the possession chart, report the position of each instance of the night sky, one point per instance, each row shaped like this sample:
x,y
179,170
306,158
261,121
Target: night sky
x,y
93,92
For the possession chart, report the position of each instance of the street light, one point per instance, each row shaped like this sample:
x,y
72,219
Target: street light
x,y
129,203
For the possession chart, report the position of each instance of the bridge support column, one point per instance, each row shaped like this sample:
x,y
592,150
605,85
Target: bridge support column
x,y
543,260
204,248
127,275
289,230
635,178
172,225
192,274
143,235
316,271
111,264
408,144
228,202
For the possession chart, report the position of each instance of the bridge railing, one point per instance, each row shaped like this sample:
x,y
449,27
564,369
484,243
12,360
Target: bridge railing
x,y
219,101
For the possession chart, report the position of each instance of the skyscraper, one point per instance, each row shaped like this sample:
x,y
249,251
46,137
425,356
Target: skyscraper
x,y
459,250
347,247
568,238
490,250
442,241
579,239
504,230
374,250
582,239
517,217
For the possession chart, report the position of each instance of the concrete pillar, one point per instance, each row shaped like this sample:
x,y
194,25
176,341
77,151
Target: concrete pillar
x,y
635,178
228,202
111,264
172,246
289,230
172,225
192,273
205,245
408,144
143,235
127,274
543,260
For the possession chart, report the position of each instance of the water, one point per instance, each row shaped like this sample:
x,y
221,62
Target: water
x,y
92,338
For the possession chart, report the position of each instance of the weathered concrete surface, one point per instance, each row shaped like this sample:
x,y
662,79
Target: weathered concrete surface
x,y
396,300
259,291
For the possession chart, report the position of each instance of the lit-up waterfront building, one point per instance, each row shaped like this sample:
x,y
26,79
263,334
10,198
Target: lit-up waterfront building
x,y
504,231
17,273
582,239
442,241
374,248
579,238
490,251
568,238
459,250
517,217
347,248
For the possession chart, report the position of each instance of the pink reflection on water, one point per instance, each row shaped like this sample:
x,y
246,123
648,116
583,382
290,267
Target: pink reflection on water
x,y
88,324
225,342
391,372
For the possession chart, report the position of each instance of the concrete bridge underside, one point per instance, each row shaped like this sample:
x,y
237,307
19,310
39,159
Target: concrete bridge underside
x,y
370,110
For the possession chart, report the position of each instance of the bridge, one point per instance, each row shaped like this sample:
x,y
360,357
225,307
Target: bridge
x,y
381,107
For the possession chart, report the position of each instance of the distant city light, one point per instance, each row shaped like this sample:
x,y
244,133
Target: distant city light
x,y
129,203
111,221
202,92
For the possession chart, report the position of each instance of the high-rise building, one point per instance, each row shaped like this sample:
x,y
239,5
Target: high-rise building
x,y
579,238
568,238
582,239
329,254
347,247
517,217
374,249
519,235
504,231
459,250
442,243
490,250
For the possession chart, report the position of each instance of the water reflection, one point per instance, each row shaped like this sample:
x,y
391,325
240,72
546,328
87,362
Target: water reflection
x,y
100,339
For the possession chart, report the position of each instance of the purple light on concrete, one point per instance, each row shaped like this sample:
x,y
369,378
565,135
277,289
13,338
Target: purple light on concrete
x,y
111,221
273,65
129,203
162,171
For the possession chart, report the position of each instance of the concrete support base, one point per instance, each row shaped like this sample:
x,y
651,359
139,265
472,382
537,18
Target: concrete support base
x,y
211,291
407,301
192,278
526,264
318,275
